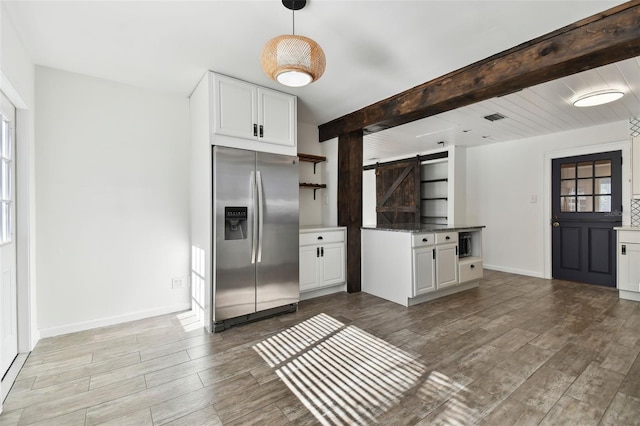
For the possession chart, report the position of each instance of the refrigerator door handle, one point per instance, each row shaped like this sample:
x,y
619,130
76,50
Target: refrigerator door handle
x,y
254,235
260,214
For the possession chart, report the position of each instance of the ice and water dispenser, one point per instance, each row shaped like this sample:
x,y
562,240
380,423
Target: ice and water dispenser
x,y
235,223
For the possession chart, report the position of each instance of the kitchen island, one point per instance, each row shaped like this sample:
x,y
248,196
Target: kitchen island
x,y
414,263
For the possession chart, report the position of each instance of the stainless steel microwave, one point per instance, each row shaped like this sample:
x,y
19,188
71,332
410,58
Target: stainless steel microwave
x,y
464,244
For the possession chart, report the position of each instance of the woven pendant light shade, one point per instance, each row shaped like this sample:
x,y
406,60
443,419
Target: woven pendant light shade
x,y
293,60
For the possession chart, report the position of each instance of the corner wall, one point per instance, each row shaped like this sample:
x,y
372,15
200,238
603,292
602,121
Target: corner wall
x,y
505,192
112,201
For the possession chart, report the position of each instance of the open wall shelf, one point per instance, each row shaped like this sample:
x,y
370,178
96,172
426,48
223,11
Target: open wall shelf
x,y
315,159
314,186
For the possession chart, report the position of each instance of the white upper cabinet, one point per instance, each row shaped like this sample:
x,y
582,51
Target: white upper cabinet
x,y
276,117
235,108
244,110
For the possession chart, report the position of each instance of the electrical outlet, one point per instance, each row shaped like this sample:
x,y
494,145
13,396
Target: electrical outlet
x,y
179,282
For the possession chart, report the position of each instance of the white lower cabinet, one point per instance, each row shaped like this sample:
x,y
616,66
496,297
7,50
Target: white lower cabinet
x,y
446,265
322,258
423,270
629,264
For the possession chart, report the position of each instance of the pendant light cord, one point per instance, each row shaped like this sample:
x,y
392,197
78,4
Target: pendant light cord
x,y
293,16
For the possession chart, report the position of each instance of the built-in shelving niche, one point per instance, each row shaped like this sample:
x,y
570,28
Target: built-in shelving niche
x,y
434,192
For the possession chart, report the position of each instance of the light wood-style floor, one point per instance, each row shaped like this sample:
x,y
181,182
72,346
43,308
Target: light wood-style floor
x,y
518,350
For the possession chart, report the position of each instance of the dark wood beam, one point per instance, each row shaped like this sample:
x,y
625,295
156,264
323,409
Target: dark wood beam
x,y
350,163
604,38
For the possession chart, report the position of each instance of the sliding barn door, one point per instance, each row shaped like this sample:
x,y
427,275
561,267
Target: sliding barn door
x,y
398,192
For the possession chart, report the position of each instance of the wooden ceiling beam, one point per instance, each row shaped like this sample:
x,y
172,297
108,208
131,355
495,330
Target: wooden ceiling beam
x,y
608,37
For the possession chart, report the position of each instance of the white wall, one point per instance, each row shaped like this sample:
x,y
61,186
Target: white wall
x,y
310,209
330,177
501,181
369,216
112,201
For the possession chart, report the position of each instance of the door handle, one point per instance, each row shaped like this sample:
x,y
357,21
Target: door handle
x,y
254,235
260,214
556,224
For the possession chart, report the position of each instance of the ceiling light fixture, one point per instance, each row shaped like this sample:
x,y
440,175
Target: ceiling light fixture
x,y
293,60
598,98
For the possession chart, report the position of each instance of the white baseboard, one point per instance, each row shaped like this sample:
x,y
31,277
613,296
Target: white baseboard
x,y
629,295
103,322
322,292
514,271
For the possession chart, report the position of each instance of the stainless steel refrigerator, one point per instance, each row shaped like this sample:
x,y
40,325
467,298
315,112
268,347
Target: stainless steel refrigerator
x,y
256,232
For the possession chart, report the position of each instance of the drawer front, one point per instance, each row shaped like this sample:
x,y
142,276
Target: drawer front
x,y
469,271
629,237
420,240
321,237
446,237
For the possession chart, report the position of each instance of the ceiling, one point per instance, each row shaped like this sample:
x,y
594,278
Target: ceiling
x,y
375,49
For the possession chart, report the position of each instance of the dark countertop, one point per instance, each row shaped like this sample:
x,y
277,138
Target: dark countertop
x,y
418,228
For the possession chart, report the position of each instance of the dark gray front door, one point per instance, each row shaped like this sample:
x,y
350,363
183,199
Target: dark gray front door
x,y
586,205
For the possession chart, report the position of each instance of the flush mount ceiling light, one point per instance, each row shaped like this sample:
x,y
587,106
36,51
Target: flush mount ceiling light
x,y
293,60
598,98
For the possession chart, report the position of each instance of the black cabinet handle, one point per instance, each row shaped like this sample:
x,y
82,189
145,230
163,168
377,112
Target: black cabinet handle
x,y
261,131
255,130
447,237
624,250
318,252
320,237
473,266
322,252
425,240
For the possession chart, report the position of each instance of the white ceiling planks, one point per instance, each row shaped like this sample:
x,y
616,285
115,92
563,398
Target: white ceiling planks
x,y
543,109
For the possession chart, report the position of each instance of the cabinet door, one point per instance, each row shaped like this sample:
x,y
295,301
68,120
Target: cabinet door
x,y
629,267
309,268
423,270
235,108
446,265
333,267
277,116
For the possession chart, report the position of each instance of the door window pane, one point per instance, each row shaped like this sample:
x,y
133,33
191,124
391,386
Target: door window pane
x,y
585,186
603,186
568,187
603,168
568,204
5,212
568,171
603,203
5,180
585,204
585,169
